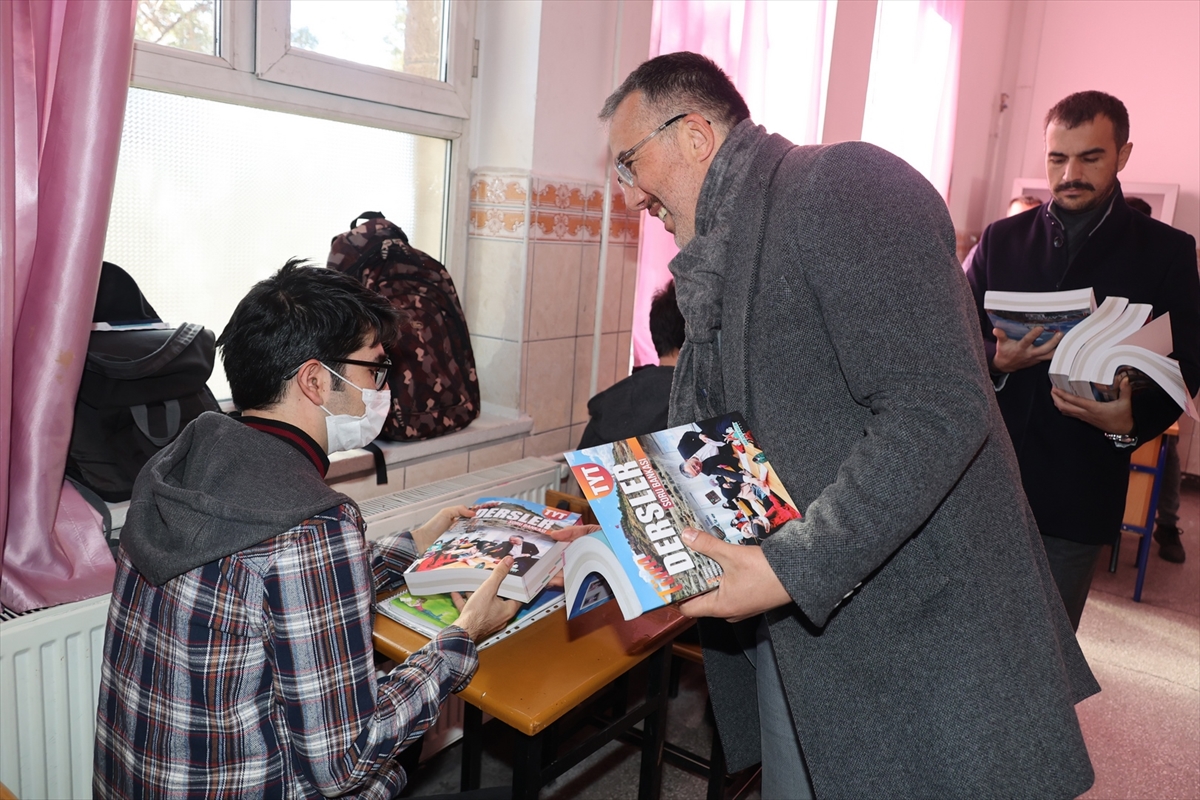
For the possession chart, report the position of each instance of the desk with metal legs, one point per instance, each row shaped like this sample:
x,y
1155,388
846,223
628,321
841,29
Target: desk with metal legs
x,y
531,679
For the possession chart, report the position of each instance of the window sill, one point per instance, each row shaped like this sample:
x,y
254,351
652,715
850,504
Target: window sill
x,y
488,429
354,472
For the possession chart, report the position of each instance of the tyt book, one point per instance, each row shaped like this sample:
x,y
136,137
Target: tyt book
x,y
461,558
431,614
645,490
1017,313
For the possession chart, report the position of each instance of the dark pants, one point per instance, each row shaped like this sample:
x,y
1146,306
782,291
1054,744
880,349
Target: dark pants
x,y
1072,565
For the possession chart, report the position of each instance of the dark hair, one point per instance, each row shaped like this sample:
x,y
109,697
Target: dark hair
x,y
1026,200
1138,204
301,312
666,322
1076,109
683,83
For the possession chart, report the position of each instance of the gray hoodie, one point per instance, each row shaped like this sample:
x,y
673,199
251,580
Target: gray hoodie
x,y
220,487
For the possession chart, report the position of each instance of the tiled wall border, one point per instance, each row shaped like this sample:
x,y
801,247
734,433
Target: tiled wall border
x,y
499,206
557,211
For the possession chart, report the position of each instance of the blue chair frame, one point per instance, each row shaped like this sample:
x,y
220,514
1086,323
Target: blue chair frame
x,y
1145,530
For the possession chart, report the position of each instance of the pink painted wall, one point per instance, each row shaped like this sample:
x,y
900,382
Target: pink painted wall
x,y
575,75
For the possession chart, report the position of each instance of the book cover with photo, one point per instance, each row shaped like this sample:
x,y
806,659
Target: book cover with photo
x,y
645,490
1017,313
428,615
461,559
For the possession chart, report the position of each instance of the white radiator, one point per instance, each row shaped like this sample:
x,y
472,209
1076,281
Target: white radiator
x,y
49,684
50,659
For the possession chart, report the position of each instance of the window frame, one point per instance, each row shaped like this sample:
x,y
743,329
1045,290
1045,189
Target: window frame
x,y
277,61
231,77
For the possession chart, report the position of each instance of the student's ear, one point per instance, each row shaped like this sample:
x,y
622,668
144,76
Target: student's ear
x,y
312,379
1123,155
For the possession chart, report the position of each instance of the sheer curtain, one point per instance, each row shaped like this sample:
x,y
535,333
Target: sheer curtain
x,y
913,87
777,54
64,74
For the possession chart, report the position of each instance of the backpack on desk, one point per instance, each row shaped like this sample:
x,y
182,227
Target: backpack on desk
x,y
142,383
433,382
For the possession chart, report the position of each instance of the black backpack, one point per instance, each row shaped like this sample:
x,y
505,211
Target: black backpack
x,y
140,387
433,382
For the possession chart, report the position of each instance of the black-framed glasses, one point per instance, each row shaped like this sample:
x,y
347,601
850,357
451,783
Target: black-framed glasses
x,y
623,158
379,369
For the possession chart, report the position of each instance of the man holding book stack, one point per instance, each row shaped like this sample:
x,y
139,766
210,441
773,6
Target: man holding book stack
x,y
1074,452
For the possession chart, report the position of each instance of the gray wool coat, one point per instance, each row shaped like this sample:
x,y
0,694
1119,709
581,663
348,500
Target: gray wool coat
x,y
927,653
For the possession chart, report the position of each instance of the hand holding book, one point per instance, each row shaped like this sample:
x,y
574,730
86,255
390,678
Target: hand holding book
x,y
483,611
428,533
1014,354
1110,416
747,587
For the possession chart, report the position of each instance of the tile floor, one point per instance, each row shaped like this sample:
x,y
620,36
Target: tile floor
x,y
1143,729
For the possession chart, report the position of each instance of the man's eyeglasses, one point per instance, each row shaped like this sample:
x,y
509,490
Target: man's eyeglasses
x,y
623,159
379,369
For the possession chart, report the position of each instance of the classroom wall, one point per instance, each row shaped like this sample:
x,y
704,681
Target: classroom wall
x,y
533,282
1145,52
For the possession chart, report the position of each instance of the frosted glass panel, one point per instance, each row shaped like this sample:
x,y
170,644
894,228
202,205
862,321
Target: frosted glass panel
x,y
186,24
401,35
211,198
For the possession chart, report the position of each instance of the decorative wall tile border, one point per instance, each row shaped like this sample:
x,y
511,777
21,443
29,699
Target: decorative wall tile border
x,y
558,211
498,206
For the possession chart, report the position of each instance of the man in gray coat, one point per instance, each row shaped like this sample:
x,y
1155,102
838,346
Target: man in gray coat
x,y
905,638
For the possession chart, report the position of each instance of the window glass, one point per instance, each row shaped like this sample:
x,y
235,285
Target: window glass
x,y
186,24
400,35
211,197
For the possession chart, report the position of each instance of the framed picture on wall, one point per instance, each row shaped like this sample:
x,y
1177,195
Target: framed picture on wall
x,y
1160,196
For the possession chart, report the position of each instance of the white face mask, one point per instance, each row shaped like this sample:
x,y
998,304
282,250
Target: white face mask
x,y
347,432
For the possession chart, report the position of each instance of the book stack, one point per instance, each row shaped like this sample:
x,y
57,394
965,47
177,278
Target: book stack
x,y
1118,341
1017,313
1100,344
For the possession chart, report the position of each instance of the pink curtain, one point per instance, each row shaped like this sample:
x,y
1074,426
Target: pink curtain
x,y
64,75
776,54
914,79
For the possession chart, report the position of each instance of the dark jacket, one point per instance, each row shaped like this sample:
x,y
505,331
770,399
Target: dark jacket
x,y
926,653
630,407
1075,478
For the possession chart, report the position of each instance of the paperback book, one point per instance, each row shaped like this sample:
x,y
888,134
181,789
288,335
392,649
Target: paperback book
x,y
1017,313
645,490
1119,341
430,614
461,559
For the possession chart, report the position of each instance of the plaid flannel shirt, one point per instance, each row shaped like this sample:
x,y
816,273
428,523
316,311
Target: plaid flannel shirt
x,y
254,675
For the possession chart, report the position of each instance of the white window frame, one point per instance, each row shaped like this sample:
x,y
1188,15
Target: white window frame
x,y
277,61
231,77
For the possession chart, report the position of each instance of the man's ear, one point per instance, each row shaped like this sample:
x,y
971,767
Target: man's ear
x,y
700,138
1123,155
313,381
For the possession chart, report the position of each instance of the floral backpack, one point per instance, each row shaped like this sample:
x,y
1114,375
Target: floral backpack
x,y
434,386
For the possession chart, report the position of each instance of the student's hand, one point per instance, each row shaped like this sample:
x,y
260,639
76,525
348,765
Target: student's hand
x,y
428,533
1113,416
748,587
1012,355
572,533
482,611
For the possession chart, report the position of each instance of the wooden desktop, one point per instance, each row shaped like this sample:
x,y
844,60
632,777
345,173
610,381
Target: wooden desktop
x,y
531,679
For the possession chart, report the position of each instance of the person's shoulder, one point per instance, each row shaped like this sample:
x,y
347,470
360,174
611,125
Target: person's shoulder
x,y
1160,231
